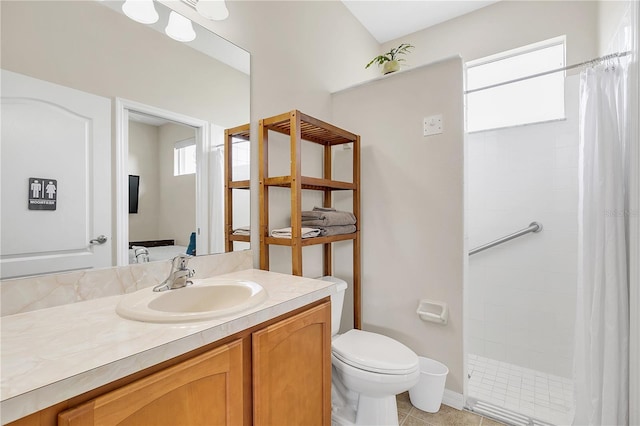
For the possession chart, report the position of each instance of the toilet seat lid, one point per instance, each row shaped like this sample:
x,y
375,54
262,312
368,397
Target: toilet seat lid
x,y
374,352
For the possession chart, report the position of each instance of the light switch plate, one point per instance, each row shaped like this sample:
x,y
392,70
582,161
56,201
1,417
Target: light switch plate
x,y
433,125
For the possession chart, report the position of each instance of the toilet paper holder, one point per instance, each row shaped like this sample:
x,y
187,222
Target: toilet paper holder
x,y
433,311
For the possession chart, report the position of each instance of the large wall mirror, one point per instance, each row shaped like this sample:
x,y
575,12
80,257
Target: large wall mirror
x,y
112,137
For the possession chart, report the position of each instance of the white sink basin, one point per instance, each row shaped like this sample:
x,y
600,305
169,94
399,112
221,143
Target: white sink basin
x,y
205,299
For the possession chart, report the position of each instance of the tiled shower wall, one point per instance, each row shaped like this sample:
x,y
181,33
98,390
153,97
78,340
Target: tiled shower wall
x,y
521,295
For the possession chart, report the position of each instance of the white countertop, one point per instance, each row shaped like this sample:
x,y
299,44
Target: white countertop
x,y
51,355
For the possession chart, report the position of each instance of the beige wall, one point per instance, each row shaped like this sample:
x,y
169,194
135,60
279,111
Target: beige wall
x,y
412,206
143,161
177,213
300,52
507,25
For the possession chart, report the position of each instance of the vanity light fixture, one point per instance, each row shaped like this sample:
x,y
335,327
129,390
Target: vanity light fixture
x,y
216,10
179,28
141,11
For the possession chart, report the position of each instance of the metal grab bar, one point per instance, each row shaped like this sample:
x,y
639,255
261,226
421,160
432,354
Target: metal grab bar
x,y
533,227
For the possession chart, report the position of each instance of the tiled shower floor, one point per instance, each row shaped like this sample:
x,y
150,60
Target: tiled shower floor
x,y
535,394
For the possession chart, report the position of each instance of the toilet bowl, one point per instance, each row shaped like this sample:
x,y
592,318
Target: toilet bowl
x,y
368,371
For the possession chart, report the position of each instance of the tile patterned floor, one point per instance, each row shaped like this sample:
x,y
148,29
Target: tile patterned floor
x,y
408,415
539,395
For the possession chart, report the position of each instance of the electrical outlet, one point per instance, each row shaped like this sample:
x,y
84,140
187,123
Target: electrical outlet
x,y
433,125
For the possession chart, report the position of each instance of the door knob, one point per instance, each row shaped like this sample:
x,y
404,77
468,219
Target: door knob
x,y
100,240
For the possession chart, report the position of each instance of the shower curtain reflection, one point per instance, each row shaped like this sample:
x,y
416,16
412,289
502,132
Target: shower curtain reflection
x,y
217,193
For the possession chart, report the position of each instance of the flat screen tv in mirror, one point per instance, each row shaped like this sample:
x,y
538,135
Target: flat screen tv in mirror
x,y
134,186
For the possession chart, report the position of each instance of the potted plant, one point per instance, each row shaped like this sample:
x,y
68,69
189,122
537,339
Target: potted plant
x,y
390,60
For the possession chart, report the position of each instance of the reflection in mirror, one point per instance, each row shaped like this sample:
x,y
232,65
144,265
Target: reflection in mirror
x,y
237,171
162,159
184,188
65,65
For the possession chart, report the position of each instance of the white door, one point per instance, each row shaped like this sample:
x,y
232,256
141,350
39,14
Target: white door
x,y
55,178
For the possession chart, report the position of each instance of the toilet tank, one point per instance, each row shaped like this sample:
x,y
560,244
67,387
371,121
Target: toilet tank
x,y
337,301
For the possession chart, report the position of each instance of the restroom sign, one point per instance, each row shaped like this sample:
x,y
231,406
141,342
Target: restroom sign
x,y
43,194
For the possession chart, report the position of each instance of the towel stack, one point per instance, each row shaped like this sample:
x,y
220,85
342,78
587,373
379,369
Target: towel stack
x,y
329,221
243,230
322,222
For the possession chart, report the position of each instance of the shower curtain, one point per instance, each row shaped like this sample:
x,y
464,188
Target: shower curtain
x,y
217,200
601,360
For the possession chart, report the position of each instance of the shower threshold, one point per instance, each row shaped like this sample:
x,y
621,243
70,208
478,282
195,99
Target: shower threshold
x,y
501,414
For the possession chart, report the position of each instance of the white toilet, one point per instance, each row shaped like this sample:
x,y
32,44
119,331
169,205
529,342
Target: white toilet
x,y
368,371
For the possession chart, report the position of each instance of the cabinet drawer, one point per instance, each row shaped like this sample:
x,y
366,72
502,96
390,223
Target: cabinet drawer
x,y
207,389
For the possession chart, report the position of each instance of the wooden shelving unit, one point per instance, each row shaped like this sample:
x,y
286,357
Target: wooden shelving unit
x,y
240,132
300,127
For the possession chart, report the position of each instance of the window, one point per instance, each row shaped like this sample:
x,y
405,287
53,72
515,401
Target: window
x,y
241,152
184,157
241,159
528,101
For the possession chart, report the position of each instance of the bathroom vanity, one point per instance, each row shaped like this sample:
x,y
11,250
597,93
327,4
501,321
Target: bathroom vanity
x,y
83,364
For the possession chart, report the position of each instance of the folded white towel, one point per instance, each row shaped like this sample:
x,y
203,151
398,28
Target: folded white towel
x,y
243,230
286,233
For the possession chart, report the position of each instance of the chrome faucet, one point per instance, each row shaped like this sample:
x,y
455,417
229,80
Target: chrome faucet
x,y
179,275
141,254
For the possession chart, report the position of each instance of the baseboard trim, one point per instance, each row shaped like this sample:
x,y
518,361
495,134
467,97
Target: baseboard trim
x,y
453,399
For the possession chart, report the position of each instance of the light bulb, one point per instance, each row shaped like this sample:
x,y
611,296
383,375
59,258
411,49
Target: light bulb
x,y
215,10
141,11
179,28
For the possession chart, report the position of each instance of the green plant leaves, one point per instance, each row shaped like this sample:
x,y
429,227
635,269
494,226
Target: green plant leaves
x,y
391,55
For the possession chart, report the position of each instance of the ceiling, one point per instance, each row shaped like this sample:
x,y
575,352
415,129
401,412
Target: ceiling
x,y
390,19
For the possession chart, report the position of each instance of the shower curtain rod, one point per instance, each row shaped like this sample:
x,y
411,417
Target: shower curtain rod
x,y
570,67
232,143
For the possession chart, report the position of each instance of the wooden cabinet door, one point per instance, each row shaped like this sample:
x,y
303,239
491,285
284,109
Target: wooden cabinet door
x,y
204,390
292,370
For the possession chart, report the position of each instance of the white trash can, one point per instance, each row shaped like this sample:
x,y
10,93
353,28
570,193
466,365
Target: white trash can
x,y
427,394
